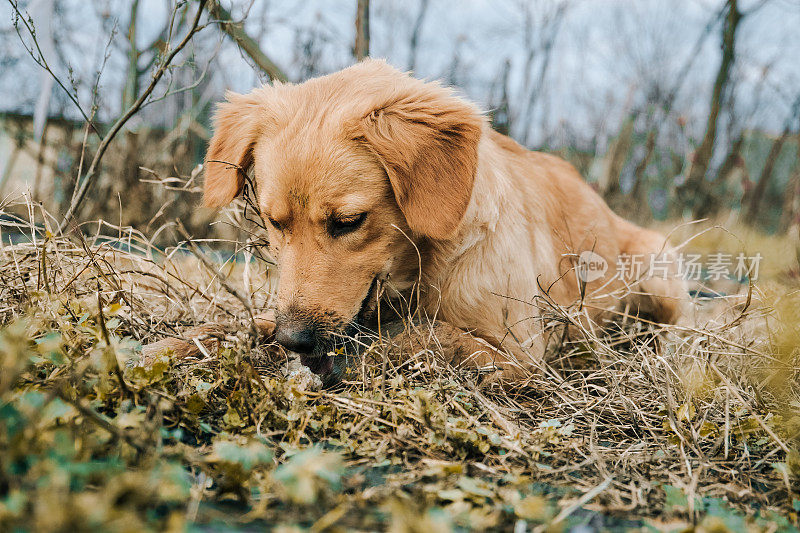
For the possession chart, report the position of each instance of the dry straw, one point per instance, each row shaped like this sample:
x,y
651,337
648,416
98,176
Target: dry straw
x,y
615,416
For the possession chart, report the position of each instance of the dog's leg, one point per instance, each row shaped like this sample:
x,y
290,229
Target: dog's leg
x,y
208,336
661,295
458,348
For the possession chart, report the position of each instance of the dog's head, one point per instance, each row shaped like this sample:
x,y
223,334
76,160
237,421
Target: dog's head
x,y
351,170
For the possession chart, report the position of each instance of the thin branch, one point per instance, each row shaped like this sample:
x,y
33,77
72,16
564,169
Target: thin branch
x,y
40,60
245,42
243,298
92,171
99,420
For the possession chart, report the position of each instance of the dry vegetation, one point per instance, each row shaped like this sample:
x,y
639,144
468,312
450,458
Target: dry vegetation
x,y
697,426
635,426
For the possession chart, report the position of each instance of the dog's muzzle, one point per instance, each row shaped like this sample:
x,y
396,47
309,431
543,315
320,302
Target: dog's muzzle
x,y
314,345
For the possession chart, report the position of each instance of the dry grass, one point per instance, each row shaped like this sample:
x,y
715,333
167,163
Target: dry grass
x,y
695,425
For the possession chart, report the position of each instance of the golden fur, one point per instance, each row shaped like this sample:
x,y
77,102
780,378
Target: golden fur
x,y
495,228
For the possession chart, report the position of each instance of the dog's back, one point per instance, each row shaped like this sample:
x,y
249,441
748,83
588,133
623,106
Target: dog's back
x,y
537,236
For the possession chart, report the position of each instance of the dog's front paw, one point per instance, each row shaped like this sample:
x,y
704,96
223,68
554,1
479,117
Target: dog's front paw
x,y
265,324
197,342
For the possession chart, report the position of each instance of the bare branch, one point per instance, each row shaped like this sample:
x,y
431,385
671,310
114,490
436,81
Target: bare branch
x,y
755,197
92,171
414,43
361,49
40,60
246,43
693,190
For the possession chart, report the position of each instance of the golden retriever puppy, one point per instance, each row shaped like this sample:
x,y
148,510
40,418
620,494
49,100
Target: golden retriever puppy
x,y
375,184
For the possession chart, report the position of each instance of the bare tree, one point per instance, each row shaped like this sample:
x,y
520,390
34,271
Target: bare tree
x,y
501,121
136,68
45,13
694,192
661,104
614,161
415,33
308,49
361,48
82,186
790,217
245,42
753,200
38,55
547,29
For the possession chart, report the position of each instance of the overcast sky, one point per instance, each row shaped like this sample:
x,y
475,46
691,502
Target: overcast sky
x,y
606,56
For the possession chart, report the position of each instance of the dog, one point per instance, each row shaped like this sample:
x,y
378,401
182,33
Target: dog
x,y
377,186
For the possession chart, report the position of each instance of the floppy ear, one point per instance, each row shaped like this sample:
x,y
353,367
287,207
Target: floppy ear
x,y
427,140
230,152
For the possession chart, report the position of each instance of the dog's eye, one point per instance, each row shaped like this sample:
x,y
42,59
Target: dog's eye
x,y
275,224
338,226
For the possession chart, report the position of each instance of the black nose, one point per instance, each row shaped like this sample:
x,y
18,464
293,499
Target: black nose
x,y
296,339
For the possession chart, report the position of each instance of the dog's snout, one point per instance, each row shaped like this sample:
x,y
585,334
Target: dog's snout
x,y
297,338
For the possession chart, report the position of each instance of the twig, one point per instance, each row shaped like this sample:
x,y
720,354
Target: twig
x,y
42,62
758,419
227,286
110,352
101,150
99,420
586,498
246,43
